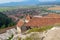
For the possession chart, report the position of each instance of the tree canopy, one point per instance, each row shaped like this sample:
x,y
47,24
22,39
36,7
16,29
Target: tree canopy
x,y
5,21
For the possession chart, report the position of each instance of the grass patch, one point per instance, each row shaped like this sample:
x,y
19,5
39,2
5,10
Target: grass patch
x,y
41,29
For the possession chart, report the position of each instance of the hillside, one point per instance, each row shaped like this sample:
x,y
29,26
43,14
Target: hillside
x,y
5,21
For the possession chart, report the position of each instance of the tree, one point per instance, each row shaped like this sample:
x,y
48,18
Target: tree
x,y
5,21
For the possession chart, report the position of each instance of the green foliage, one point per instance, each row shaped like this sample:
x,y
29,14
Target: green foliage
x,y
3,26
5,21
41,29
11,24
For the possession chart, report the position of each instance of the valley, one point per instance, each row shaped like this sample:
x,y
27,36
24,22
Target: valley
x,y
20,23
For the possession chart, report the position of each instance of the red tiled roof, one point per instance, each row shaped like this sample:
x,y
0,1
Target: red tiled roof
x,y
50,19
52,15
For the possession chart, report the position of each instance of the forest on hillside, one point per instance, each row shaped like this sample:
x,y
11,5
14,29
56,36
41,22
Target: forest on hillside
x,y
5,21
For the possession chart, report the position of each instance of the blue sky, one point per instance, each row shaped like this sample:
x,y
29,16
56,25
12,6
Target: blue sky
x,y
47,0
6,1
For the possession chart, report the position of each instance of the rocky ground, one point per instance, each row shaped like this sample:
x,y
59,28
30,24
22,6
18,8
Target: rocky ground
x,y
52,34
7,34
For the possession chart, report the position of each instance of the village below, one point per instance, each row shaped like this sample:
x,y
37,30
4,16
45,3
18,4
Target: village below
x,y
30,23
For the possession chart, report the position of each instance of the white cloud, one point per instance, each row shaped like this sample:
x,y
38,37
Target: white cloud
x,y
46,0
5,1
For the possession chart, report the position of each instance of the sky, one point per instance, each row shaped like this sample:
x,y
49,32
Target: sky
x,y
46,0
6,1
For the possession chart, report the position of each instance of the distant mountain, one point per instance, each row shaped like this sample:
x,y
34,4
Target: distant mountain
x,y
30,2
49,3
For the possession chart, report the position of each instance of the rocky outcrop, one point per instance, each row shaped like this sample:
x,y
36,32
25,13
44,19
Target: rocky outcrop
x,y
32,36
7,34
53,34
